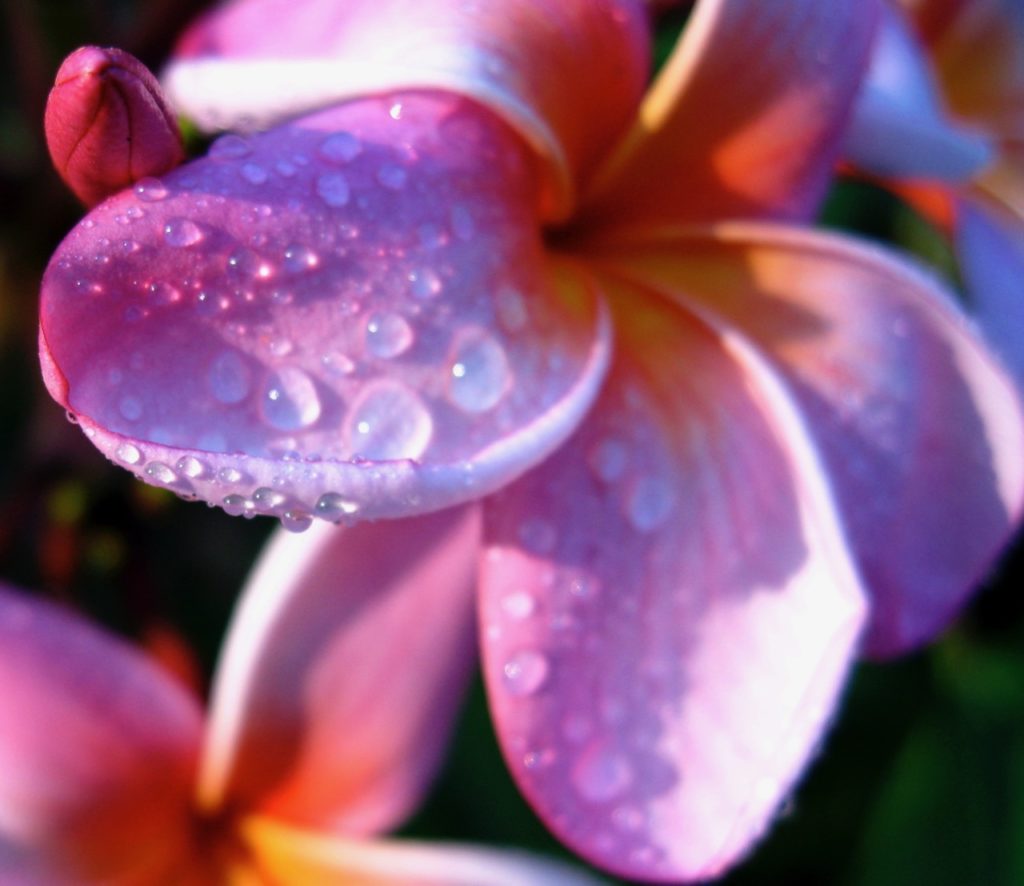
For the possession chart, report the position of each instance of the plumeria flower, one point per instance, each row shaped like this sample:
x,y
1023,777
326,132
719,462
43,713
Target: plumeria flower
x,y
457,252
942,116
329,712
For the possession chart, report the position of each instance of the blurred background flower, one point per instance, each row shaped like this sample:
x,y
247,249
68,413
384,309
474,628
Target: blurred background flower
x,y
922,779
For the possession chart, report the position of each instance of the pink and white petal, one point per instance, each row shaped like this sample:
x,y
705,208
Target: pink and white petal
x,y
568,76
990,248
669,607
293,857
899,127
746,117
97,753
920,427
343,671
354,306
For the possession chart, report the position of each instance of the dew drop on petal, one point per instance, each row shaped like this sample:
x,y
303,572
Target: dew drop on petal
x,y
388,421
424,283
235,504
388,335
130,408
525,672
296,521
127,454
608,459
649,503
332,506
333,189
254,173
229,147
158,472
601,773
182,232
479,374
229,378
150,190
190,466
341,147
290,400
229,475
518,605
392,177
338,364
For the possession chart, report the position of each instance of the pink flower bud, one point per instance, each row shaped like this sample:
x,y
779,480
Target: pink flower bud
x,y
108,124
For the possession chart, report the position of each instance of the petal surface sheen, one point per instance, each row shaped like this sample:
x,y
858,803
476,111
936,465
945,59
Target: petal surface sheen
x,y
343,672
668,607
354,305
97,754
289,856
746,117
568,75
920,428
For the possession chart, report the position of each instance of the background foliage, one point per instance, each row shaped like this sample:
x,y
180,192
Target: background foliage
x,y
921,780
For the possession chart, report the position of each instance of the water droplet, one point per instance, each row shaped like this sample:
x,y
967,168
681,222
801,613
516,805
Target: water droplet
x,y
518,605
296,521
298,258
601,773
190,466
150,190
229,476
338,364
424,283
341,147
130,408
280,347
268,499
649,503
511,308
479,372
538,535
388,421
608,459
254,173
229,147
128,454
525,672
182,232
392,177
229,378
388,335
158,472
235,504
395,111
332,506
290,400
333,189
285,168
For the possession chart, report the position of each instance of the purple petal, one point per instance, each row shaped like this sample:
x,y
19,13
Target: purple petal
x,y
669,607
342,673
350,315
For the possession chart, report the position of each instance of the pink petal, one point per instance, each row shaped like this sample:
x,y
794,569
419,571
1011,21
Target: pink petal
x,y
746,117
899,127
343,671
107,124
568,75
921,430
990,247
97,753
287,855
352,312
668,607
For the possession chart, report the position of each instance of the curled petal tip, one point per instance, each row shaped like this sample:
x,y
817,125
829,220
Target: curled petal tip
x,y
108,123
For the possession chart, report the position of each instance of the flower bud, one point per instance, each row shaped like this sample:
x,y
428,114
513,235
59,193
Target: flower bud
x,y
108,124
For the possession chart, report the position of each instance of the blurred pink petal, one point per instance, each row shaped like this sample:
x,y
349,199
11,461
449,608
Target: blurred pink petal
x,y
746,117
350,313
97,754
566,75
668,607
288,855
990,244
903,399
343,671
107,124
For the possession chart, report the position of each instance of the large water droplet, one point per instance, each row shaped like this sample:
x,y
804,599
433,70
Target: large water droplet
x,y
130,408
229,378
518,605
334,507
150,190
229,147
254,173
388,421
190,466
290,400
182,232
388,335
479,372
333,189
601,773
649,503
525,672
158,472
128,454
341,147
